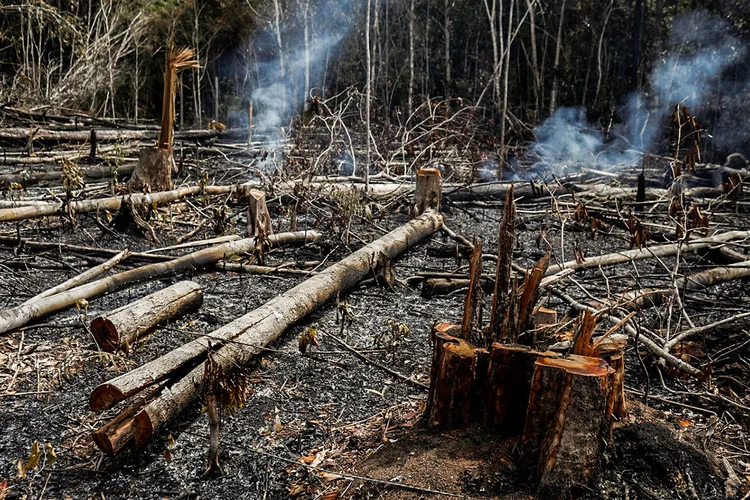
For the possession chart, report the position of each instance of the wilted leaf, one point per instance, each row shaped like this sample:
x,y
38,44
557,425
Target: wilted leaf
x,y
21,469
277,424
50,454
296,489
329,476
36,454
334,495
170,441
167,455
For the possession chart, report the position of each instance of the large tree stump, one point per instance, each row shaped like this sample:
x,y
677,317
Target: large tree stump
x,y
457,375
153,172
121,328
568,420
428,190
508,384
258,218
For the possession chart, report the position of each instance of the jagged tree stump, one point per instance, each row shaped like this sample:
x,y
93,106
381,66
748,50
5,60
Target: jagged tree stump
x,y
612,350
153,172
509,374
457,376
428,190
568,421
258,218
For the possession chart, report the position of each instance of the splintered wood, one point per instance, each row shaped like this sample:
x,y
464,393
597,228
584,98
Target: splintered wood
x,y
562,407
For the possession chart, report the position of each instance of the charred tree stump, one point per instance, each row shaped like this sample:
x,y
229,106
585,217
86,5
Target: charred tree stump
x,y
508,384
457,372
428,190
471,325
153,172
568,420
121,328
92,150
258,218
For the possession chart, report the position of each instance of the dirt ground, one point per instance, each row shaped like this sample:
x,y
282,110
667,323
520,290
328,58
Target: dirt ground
x,y
314,426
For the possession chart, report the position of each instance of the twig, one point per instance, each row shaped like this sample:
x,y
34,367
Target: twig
x,y
375,363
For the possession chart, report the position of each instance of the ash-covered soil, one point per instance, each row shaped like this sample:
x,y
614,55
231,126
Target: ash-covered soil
x,y
311,417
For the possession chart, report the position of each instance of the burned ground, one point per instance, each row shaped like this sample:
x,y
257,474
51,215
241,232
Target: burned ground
x,y
312,417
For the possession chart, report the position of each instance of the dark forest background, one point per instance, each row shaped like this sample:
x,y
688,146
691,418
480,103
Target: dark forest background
x,y
624,61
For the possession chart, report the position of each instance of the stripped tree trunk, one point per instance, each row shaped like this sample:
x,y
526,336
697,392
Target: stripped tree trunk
x,y
121,328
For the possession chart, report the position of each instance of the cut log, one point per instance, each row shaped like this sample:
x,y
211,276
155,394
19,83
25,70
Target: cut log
x,y
84,277
121,328
428,190
544,316
30,179
258,218
18,316
568,421
242,339
111,204
153,172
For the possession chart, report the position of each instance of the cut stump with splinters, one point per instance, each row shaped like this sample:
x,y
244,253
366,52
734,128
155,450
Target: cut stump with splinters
x,y
153,172
258,217
121,328
568,422
428,190
612,350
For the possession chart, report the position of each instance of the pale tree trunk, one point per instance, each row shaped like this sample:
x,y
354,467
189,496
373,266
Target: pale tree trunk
x,y
307,54
375,43
197,71
387,44
535,59
410,99
427,58
367,96
599,71
505,75
447,31
556,66
282,68
492,15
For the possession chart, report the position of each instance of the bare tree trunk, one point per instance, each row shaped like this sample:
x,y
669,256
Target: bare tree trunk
x,y
367,96
556,66
535,59
447,31
492,16
307,54
505,75
410,101
599,71
282,68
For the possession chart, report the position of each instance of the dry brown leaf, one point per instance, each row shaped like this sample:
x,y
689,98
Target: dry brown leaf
x,y
49,453
296,489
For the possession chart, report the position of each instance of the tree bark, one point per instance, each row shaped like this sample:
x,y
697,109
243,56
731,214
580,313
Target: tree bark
x,y
428,190
111,204
258,218
153,172
242,339
20,315
568,420
16,135
121,328
82,278
556,66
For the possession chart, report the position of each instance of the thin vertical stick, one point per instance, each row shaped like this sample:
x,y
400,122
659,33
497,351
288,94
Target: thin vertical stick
x,y
250,124
367,98
216,98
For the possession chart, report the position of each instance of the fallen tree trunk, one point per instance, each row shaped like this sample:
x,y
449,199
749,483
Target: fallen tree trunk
x,y
26,180
20,315
111,204
15,135
649,252
121,328
82,278
240,340
84,250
